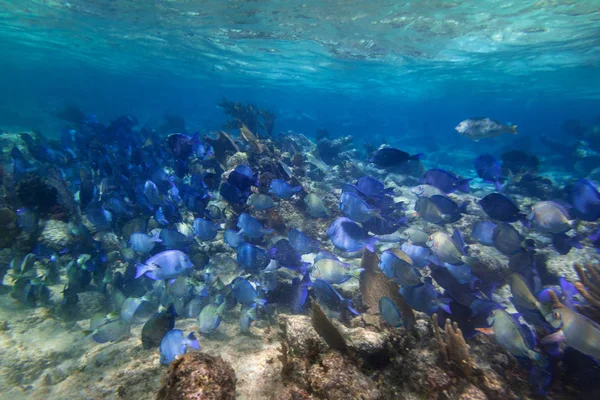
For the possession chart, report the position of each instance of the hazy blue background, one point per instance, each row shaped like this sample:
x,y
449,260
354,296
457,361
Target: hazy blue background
x,y
371,69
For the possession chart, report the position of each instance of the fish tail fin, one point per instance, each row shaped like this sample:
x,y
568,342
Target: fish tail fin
x,y
349,306
155,238
538,358
444,304
261,302
512,129
498,185
463,185
192,341
141,269
252,313
370,244
416,157
356,273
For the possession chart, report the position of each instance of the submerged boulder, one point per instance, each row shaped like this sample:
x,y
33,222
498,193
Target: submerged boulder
x,y
198,375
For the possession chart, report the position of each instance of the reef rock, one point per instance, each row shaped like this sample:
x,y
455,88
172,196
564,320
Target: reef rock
x,y
55,235
198,376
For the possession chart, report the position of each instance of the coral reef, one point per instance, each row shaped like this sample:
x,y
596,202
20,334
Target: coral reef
x,y
253,117
8,227
55,235
454,349
589,288
198,375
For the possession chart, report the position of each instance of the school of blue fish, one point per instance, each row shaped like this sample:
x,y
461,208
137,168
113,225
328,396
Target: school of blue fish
x,y
120,174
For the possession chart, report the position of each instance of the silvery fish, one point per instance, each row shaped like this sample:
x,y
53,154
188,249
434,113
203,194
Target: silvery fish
x,y
165,265
482,128
550,217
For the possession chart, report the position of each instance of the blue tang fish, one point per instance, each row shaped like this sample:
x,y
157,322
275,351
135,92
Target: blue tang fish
x,y
204,229
252,227
282,189
327,294
245,292
233,239
446,181
142,243
165,265
355,208
390,312
347,235
302,243
174,345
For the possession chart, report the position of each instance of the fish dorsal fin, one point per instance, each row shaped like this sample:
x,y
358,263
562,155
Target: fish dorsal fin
x,y
458,239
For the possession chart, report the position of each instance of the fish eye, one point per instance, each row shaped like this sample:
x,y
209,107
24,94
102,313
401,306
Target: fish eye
x,y
556,315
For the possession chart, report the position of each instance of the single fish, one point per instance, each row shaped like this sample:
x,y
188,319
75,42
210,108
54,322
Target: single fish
x,y
252,227
421,256
282,189
423,297
299,292
232,194
210,317
315,206
426,190
107,328
157,327
522,295
259,201
142,243
482,128
390,313
439,209
233,239
243,178
550,217
372,187
347,235
517,339
174,345
446,181
174,240
152,193
415,236
501,208
134,307
575,330
287,256
326,294
251,257
391,157
165,265
302,243
585,199
563,243
204,229
508,240
488,169
247,316
245,292
448,248
483,232
355,208
333,271
398,266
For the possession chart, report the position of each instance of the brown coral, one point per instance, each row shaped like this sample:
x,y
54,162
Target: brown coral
x,y
454,349
374,285
198,376
589,288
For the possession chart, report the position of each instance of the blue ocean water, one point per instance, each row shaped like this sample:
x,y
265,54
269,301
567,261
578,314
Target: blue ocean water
x,y
401,74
